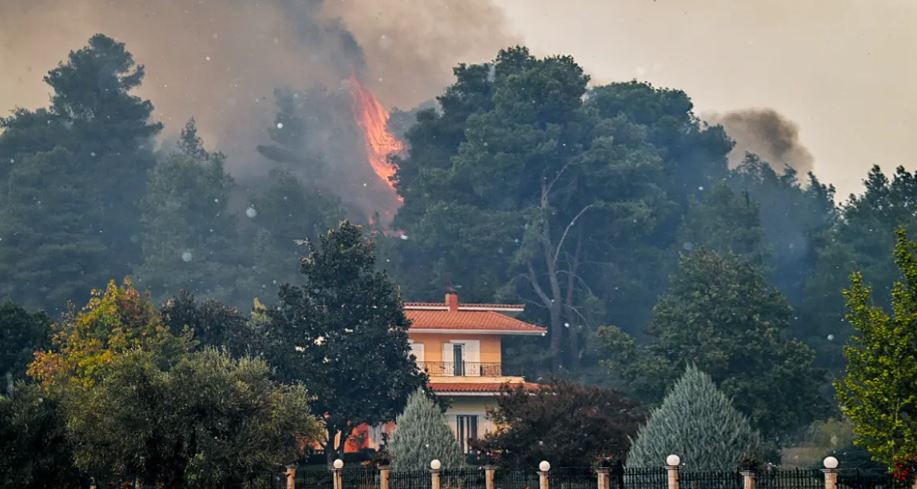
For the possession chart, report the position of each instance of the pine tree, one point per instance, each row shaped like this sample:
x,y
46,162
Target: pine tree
x,y
422,435
699,423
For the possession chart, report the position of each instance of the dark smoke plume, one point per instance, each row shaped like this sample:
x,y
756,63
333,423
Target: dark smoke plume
x,y
220,61
766,133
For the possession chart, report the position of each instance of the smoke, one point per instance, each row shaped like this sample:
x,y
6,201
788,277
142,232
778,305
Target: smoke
x,y
766,133
221,61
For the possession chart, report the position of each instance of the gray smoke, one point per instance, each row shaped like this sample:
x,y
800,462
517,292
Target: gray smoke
x,y
220,61
766,133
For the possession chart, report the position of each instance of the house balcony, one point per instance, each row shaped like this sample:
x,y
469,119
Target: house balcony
x,y
461,369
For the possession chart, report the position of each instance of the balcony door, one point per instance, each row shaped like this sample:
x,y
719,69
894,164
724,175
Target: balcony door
x,y
462,358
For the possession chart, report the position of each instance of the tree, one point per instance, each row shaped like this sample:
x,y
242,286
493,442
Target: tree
x,y
522,180
724,222
343,333
721,315
699,423
21,334
566,423
77,173
877,391
113,323
189,236
35,450
210,323
210,421
422,434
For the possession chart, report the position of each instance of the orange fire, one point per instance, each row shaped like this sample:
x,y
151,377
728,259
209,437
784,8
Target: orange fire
x,y
372,117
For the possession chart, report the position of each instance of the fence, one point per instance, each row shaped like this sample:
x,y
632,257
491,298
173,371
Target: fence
x,y
668,477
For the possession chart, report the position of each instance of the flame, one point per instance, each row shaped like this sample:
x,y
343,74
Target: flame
x,y
372,118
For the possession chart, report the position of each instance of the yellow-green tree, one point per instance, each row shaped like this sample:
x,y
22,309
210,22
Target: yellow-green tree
x,y
879,389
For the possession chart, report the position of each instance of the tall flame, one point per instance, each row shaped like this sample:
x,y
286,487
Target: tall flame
x,y
372,118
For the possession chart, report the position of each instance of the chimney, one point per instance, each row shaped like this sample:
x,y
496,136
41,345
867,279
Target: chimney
x,y
452,300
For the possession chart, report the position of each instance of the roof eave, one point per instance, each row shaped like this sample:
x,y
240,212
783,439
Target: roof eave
x,y
514,332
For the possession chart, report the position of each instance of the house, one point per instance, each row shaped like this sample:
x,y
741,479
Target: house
x,y
460,347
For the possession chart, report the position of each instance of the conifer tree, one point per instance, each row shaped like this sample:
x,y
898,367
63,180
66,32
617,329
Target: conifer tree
x,y
697,422
423,435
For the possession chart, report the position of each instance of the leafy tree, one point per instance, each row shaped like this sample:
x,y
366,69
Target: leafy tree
x,y
699,423
189,236
423,435
518,178
79,168
21,334
343,333
566,423
877,391
722,316
35,451
210,323
86,342
724,222
210,421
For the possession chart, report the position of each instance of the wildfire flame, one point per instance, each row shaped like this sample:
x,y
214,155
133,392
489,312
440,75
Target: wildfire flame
x,y
372,117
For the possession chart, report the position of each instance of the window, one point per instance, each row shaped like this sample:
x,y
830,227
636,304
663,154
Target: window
x,y
417,351
466,429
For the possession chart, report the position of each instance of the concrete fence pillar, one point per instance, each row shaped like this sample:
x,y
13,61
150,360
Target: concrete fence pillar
x,y
830,471
671,466
291,476
385,473
337,474
435,480
602,479
490,472
543,480
748,479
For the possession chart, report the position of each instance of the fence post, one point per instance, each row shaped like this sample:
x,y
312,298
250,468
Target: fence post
x,y
337,474
384,473
489,476
601,474
748,479
671,465
435,465
830,471
291,477
543,468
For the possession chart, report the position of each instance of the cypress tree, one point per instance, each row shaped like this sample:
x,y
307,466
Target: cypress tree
x,y
699,423
423,435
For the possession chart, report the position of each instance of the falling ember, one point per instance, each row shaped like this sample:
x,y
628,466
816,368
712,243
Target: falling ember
x,y
372,118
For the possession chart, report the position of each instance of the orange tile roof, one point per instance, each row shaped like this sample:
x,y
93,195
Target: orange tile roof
x,y
477,387
489,321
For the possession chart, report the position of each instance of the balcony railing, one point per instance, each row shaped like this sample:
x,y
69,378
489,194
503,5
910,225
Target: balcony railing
x,y
461,369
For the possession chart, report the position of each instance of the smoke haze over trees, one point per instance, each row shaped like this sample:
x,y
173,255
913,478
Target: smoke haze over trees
x,y
522,182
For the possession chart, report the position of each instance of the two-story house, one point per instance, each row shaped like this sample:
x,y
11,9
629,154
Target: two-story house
x,y
459,346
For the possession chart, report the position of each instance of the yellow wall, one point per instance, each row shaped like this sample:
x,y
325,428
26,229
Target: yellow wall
x,y
433,345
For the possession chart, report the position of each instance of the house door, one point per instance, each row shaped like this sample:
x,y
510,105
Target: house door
x,y
458,359
466,430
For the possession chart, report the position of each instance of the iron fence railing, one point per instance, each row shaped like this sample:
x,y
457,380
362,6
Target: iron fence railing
x,y
461,369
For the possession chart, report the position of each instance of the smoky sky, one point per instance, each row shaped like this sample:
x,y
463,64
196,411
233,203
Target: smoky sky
x,y
766,133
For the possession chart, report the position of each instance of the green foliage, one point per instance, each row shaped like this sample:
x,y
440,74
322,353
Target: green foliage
x,y
35,452
724,222
343,333
210,421
878,391
76,173
189,235
211,324
720,315
699,423
422,434
21,334
566,423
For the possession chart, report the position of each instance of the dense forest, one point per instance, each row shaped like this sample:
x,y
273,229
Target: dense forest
x,y
609,210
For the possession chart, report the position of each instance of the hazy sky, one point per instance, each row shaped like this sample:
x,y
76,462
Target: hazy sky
x,y
844,70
